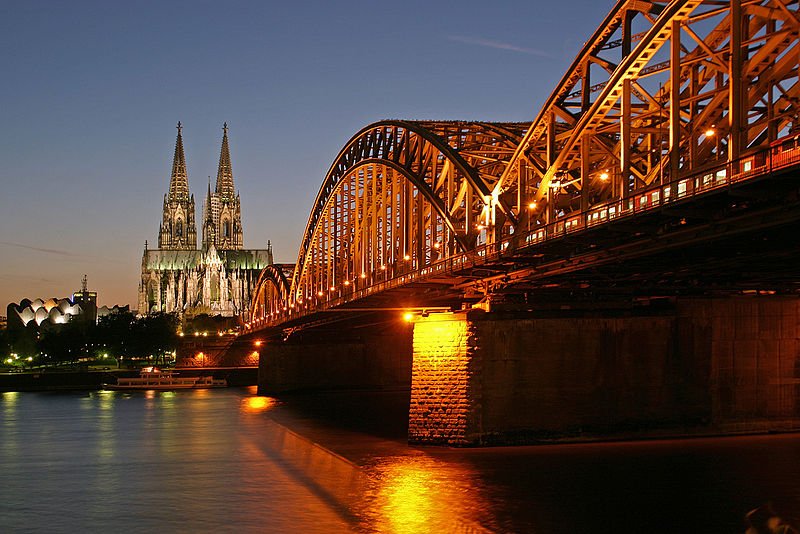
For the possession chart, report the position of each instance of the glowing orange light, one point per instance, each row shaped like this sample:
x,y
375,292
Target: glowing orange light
x,y
408,317
333,288
320,293
383,267
258,343
406,257
604,176
363,275
710,132
532,205
347,282
436,245
257,404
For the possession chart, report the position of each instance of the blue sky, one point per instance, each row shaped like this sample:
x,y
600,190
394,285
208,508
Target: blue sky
x,y
91,92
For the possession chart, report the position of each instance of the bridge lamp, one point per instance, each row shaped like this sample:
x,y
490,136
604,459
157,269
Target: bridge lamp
x,y
532,205
333,288
363,275
406,257
320,293
196,334
604,176
710,132
408,317
347,282
436,245
258,343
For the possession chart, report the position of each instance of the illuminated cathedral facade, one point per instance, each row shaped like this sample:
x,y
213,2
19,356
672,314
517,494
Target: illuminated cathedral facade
x,y
217,278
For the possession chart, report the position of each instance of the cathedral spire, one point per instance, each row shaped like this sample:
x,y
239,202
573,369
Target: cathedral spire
x,y
179,180
224,187
178,230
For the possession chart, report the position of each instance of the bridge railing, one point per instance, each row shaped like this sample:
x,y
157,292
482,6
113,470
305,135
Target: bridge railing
x,y
756,165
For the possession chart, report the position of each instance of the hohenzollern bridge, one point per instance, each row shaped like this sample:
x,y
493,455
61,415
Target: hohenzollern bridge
x,y
626,260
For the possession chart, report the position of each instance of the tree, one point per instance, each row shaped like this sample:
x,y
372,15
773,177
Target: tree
x,y
114,333
156,335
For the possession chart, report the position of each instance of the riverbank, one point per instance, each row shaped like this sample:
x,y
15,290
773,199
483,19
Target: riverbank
x,y
57,380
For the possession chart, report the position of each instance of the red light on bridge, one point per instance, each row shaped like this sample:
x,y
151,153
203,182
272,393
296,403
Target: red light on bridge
x,y
258,343
408,317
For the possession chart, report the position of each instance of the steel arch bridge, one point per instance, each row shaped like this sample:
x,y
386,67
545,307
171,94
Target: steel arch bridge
x,y
660,94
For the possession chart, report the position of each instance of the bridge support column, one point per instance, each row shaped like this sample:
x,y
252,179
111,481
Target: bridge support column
x,y
325,360
696,366
445,375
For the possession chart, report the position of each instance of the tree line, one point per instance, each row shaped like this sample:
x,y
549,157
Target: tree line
x,y
118,335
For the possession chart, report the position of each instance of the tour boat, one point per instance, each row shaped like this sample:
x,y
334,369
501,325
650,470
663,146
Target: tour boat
x,y
155,378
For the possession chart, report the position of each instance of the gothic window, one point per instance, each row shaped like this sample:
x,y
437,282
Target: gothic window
x,y
214,287
226,229
179,228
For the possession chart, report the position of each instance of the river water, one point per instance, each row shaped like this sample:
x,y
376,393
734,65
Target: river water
x,y
230,461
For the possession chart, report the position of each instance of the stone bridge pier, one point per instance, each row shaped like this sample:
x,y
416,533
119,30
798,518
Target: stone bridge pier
x,y
693,366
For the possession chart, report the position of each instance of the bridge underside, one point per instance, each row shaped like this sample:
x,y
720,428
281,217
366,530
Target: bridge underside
x,y
683,320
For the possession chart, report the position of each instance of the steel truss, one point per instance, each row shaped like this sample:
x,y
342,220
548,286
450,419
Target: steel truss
x,y
661,90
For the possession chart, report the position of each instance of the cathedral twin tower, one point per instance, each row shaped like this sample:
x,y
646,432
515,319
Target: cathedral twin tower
x,y
222,217
218,279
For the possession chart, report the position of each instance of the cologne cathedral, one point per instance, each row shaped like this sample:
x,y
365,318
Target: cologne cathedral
x,y
216,279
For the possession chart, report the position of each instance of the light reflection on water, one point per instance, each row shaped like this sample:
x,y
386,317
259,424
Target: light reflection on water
x,y
418,493
192,461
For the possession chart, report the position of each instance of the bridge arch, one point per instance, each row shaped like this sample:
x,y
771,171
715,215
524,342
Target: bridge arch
x,y
271,292
399,196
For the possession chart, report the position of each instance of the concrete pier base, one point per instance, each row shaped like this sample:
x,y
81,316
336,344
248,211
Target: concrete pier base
x,y
700,366
338,360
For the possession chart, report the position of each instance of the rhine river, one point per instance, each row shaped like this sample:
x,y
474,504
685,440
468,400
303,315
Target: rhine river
x,y
230,461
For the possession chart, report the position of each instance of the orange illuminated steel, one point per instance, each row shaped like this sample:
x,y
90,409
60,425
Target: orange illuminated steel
x,y
407,196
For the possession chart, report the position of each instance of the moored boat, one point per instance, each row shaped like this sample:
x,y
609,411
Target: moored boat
x,y
155,378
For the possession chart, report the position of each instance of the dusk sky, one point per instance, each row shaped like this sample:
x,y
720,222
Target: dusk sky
x,y
92,91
